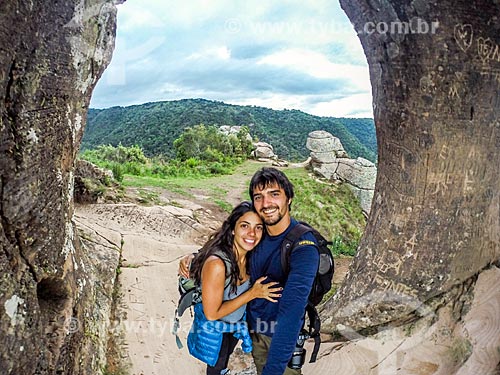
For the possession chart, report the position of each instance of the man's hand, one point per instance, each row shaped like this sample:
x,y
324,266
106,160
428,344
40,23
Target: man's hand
x,y
184,265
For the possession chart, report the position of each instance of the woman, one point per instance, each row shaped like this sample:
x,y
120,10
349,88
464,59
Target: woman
x,y
220,267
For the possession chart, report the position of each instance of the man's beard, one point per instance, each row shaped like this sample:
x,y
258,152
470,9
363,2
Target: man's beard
x,y
273,221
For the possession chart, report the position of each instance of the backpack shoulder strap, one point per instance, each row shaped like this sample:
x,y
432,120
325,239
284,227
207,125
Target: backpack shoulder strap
x,y
187,300
288,244
227,263
314,330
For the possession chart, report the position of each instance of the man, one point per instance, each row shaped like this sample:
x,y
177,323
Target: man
x,y
276,326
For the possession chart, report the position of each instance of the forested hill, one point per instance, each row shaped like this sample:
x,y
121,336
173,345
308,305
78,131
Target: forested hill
x,y
155,126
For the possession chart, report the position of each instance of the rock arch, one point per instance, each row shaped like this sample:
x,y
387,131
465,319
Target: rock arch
x,y
434,226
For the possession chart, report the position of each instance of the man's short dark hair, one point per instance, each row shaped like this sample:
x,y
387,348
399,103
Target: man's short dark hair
x,y
268,176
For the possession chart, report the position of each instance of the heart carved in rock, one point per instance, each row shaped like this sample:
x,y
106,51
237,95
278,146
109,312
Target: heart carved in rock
x,y
464,35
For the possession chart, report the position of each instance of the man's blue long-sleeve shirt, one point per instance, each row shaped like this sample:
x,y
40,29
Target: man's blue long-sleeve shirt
x,y
282,320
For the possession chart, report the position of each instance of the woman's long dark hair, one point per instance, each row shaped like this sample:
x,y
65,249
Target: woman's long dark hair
x,y
222,240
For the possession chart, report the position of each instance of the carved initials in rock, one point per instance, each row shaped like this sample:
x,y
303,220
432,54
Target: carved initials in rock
x,y
484,48
464,35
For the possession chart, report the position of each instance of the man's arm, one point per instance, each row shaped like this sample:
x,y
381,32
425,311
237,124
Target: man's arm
x,y
184,265
303,267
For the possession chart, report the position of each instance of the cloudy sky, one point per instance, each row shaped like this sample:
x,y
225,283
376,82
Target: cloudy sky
x,y
277,54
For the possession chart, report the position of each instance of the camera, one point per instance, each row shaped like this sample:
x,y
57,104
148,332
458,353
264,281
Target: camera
x,y
299,353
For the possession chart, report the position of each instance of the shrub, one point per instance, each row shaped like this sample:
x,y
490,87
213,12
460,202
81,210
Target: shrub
x,y
202,151
209,144
117,172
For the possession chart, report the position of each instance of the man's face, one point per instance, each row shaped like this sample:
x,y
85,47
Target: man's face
x,y
271,203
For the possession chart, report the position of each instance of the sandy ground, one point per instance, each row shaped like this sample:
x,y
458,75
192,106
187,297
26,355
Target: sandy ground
x,y
153,240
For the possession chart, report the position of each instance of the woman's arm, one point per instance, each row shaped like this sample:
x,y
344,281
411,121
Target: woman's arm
x,y
213,277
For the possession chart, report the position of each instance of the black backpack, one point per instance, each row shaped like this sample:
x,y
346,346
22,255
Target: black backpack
x,y
322,282
190,294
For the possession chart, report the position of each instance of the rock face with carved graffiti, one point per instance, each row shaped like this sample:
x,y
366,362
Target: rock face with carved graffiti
x,y
422,294
432,238
55,297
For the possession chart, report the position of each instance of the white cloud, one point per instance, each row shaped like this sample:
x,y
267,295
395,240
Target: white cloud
x,y
318,65
359,105
293,54
274,101
134,16
219,53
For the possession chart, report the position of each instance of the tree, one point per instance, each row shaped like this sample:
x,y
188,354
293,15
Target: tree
x,y
210,144
433,234
245,141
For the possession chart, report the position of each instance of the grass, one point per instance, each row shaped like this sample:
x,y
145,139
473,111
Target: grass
x,y
332,209
216,187
149,197
224,205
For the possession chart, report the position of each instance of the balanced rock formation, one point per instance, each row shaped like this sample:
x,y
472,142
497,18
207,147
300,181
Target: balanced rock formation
x,y
324,147
330,160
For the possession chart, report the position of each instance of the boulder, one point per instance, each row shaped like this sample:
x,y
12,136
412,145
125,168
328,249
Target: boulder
x,y
324,145
90,182
325,170
359,172
280,163
263,150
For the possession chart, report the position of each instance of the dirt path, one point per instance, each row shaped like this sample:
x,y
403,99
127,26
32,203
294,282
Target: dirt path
x,y
153,240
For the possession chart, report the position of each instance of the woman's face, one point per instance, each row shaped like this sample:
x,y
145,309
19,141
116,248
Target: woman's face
x,y
248,231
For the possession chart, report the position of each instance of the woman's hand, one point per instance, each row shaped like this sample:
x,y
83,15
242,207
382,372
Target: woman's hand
x,y
267,291
184,265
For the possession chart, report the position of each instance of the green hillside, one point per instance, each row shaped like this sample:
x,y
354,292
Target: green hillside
x,y
155,126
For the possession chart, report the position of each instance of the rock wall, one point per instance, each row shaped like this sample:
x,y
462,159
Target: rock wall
x,y
432,237
53,53
447,338
433,232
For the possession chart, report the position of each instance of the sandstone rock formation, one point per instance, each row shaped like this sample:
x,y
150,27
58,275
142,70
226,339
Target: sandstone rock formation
x,y
153,239
330,160
324,147
360,174
431,247
53,292
433,233
263,150
90,182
